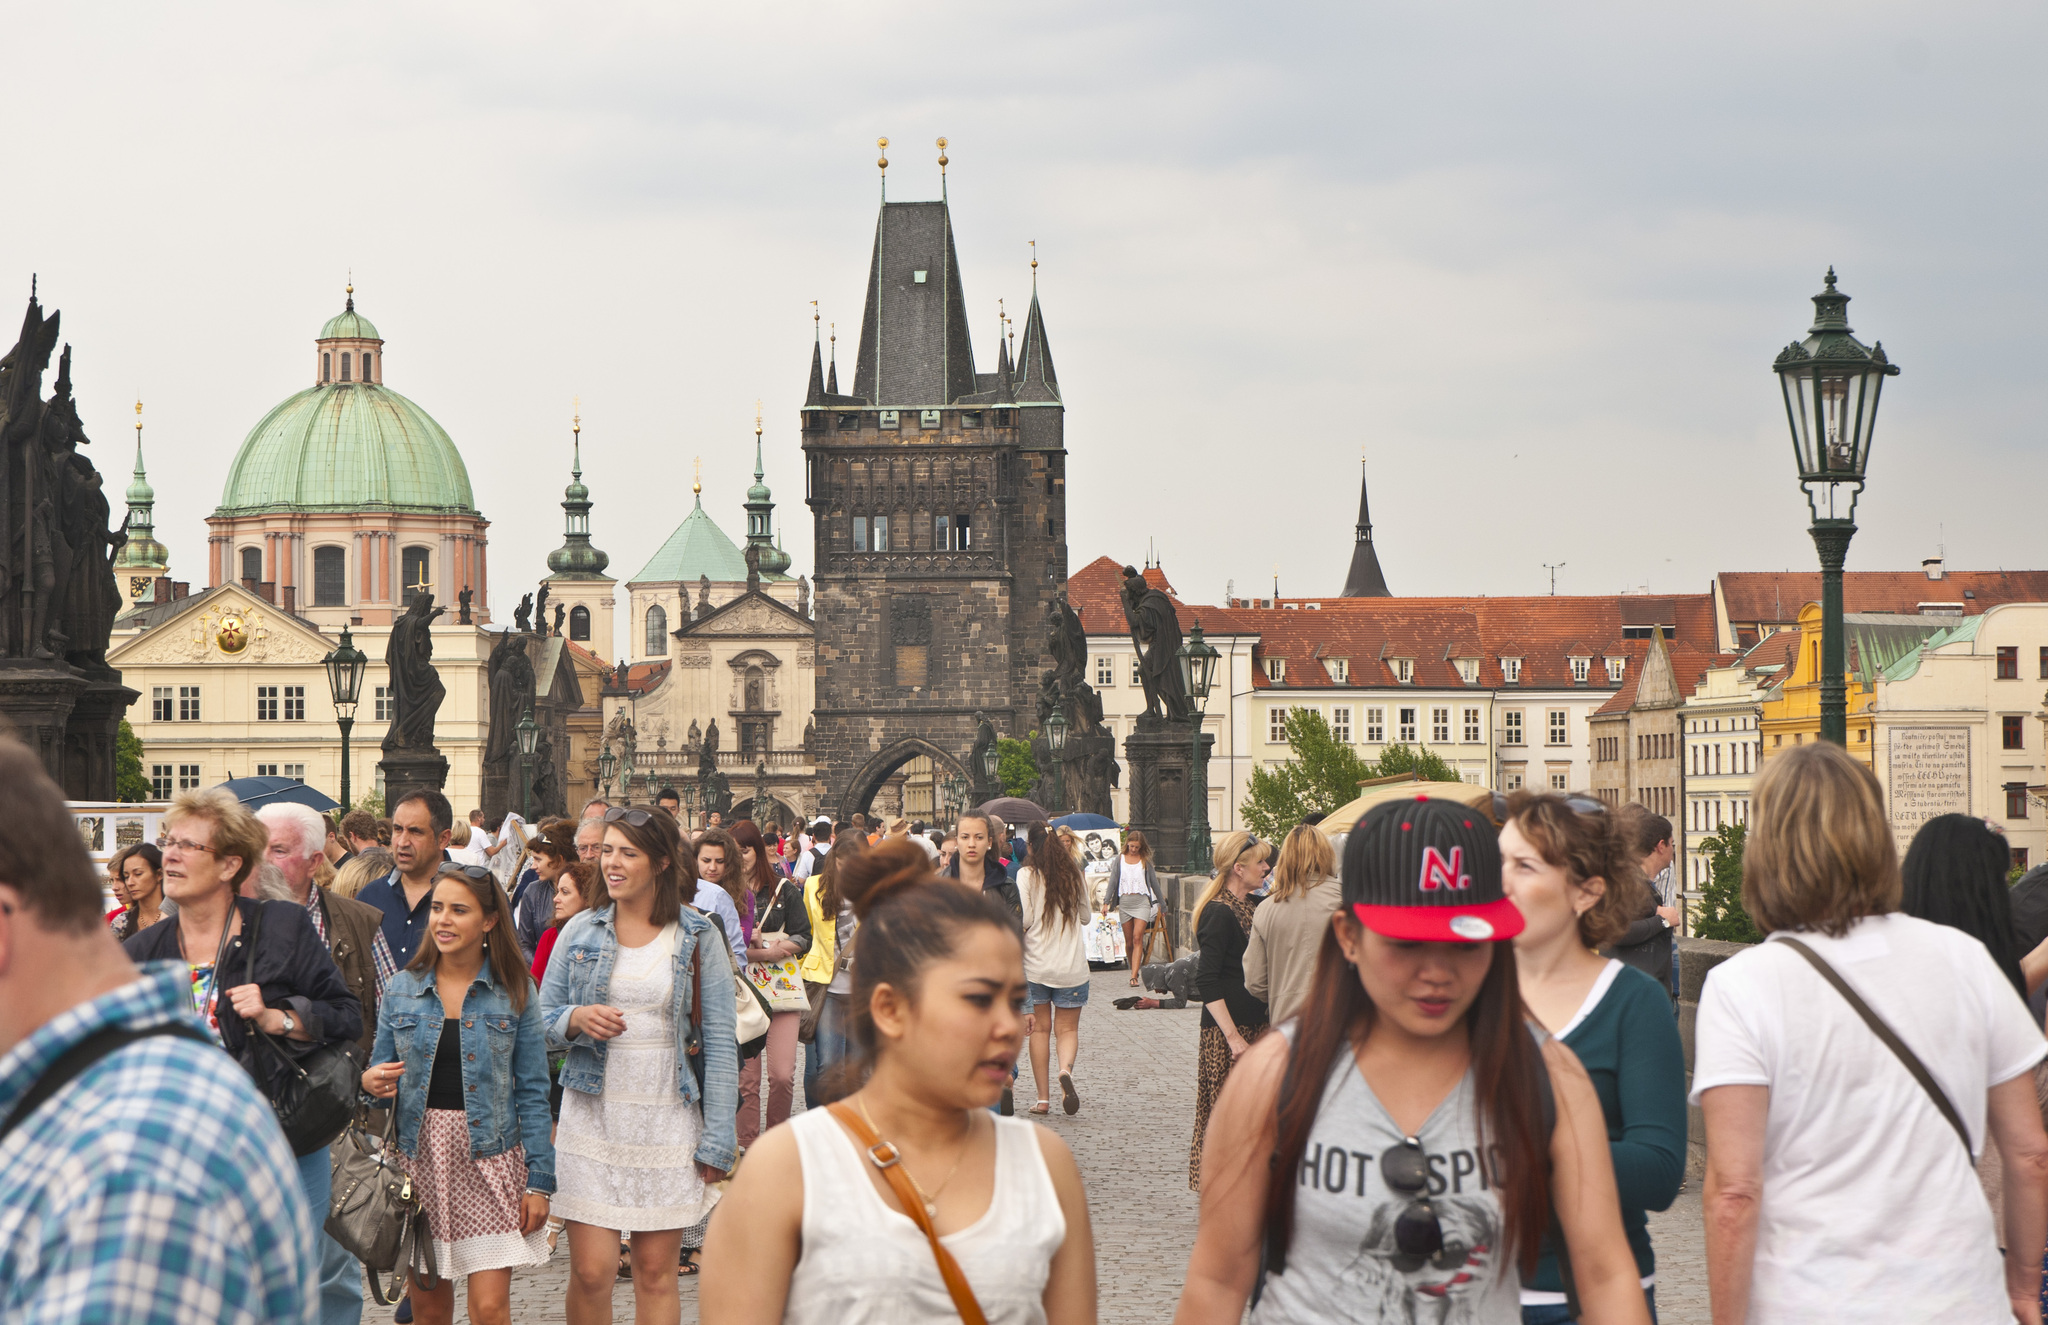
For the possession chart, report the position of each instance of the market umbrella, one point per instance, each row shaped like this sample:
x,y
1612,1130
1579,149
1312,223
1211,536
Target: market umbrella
x,y
1084,823
1345,817
1014,811
259,792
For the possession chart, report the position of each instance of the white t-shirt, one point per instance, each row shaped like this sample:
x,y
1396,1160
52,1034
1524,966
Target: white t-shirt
x,y
1131,878
1869,1211
1054,954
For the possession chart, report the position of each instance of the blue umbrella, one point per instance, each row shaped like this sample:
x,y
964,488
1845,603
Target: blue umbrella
x,y
259,792
1083,823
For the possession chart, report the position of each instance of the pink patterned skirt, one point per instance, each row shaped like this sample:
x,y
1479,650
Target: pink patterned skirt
x,y
472,1204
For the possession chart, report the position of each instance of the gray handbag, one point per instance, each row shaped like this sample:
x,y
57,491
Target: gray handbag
x,y
375,1212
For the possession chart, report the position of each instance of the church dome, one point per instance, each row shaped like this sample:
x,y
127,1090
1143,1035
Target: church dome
x,y
347,445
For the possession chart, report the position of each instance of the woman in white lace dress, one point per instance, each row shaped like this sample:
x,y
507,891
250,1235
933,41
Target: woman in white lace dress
x,y
640,1138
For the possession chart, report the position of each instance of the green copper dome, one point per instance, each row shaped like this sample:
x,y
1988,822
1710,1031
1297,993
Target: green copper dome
x,y
347,446
349,325
697,548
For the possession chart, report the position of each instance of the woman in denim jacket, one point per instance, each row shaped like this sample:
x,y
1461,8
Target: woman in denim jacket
x,y
459,1044
640,994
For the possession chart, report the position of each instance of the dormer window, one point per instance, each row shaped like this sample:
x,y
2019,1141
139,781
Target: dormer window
x,y
1340,669
1276,670
1615,667
1404,670
1511,670
1580,667
1468,670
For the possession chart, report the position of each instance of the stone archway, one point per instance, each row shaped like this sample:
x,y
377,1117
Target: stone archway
x,y
860,793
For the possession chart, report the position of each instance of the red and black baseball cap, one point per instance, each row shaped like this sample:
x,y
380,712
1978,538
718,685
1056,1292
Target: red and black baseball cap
x,y
1428,869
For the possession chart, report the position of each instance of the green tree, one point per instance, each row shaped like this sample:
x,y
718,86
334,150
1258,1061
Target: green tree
x,y
370,802
1324,774
1018,771
129,784
1720,914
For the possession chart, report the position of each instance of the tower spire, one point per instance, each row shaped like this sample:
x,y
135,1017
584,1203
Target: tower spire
x,y
769,557
832,371
141,560
576,559
1366,580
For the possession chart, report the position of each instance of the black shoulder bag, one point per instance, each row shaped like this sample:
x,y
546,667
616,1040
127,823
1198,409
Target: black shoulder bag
x,y
83,1055
1891,1041
315,1096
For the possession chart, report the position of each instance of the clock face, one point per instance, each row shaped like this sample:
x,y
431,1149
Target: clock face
x,y
232,634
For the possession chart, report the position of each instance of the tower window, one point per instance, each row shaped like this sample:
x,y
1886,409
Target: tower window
x,y
344,365
252,563
366,365
579,622
928,418
326,366
414,563
330,576
657,631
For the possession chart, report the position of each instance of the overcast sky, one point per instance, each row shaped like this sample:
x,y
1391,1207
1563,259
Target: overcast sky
x,y
1533,261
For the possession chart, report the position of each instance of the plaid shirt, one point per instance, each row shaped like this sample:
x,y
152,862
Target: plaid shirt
x,y
155,1187
380,951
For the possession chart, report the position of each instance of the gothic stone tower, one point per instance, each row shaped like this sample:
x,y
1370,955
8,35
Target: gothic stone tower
x,y
939,496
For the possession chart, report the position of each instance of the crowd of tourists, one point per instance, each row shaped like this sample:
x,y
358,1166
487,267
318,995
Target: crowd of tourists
x,y
1436,1077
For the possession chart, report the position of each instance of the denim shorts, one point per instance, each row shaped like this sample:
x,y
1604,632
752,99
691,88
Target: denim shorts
x,y
1037,994
1560,1315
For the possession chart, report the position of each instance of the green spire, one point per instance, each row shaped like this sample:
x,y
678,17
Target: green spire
x,y
141,554
576,559
760,506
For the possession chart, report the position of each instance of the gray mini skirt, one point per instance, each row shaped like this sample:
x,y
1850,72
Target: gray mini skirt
x,y
1136,906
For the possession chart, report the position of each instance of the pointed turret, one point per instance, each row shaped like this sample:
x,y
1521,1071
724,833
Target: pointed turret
x,y
771,560
815,397
1366,580
576,559
915,352
141,561
1037,383
832,364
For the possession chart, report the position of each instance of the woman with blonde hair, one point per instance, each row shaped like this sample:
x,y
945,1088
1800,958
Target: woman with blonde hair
x,y
1137,897
359,870
1287,928
1830,1145
1232,1016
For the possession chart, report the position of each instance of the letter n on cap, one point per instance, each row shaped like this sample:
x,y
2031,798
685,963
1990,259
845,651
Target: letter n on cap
x,y
1440,873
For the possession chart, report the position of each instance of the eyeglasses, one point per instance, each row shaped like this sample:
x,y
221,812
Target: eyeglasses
x,y
181,844
475,873
631,817
1577,802
1418,1233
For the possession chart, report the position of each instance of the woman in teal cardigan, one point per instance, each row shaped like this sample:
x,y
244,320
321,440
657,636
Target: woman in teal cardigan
x,y
1570,872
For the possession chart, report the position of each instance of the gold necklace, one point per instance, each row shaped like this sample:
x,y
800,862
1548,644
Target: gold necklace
x,y
931,1201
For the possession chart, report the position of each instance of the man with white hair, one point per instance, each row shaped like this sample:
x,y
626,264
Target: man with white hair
x,y
352,930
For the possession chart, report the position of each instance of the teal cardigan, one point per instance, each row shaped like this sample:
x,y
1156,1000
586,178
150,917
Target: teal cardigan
x,y
1630,1047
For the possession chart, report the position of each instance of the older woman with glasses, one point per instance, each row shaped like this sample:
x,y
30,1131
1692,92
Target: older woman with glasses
x,y
1839,1178
256,997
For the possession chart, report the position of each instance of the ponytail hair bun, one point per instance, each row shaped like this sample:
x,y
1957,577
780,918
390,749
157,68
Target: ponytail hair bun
x,y
872,877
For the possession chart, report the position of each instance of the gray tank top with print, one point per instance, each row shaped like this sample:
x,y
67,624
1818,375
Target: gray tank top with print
x,y
1343,1265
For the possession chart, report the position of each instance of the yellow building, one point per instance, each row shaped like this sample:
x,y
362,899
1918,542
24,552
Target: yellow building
x,y
1790,711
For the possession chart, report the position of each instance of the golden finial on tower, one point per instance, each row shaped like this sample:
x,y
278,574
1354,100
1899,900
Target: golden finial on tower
x,y
697,476
882,146
833,327
942,156
757,418
576,424
138,418
1034,255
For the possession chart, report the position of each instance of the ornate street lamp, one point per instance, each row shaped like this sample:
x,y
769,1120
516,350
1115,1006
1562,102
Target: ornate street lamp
x,y
689,790
1198,672
1831,383
1056,743
345,666
607,764
992,768
529,737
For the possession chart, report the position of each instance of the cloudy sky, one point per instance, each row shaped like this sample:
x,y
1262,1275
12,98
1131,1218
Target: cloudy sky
x,y
1532,262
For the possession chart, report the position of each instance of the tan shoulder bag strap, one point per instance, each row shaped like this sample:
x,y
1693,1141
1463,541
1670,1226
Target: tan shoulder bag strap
x,y
884,1156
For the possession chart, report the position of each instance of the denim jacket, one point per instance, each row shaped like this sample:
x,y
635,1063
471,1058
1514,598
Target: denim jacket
x,y
579,974
504,1067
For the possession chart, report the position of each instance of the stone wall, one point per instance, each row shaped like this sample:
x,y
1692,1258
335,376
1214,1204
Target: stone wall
x,y
1696,957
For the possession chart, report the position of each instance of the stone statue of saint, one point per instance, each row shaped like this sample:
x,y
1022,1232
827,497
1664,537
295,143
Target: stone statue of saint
x,y
560,612
416,689
540,609
984,738
716,789
1066,643
1155,633
703,596
547,782
462,604
803,596
522,616
696,736
511,688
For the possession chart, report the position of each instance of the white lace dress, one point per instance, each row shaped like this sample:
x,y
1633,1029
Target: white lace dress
x,y
626,1158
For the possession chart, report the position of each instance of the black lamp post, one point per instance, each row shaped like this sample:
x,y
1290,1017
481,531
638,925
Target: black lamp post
x,y
529,737
1056,742
689,790
1831,383
1198,672
345,667
992,768
607,764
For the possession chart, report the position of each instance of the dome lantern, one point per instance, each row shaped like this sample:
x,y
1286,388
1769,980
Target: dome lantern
x,y
348,348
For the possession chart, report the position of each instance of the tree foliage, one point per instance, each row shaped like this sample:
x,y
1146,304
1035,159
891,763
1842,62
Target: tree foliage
x,y
1324,774
1720,914
130,786
1018,771
370,802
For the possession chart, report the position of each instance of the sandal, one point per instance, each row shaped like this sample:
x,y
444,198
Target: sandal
x,y
555,1227
625,1267
1043,1106
1070,1099
688,1265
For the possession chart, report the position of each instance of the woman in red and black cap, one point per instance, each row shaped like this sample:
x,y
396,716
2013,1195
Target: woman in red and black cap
x,y
1421,1128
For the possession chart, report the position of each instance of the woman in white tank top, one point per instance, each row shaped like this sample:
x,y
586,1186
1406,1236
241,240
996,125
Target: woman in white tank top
x,y
811,1231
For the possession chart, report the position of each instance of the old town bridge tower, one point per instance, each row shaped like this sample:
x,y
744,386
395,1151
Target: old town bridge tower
x,y
939,496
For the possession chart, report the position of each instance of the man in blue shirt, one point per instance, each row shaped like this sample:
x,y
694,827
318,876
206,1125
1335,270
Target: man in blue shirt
x,y
421,824
154,1185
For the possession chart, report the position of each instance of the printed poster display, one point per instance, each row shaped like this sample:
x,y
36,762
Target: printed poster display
x,y
1928,775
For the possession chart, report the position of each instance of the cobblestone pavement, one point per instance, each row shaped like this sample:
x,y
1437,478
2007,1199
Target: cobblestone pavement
x,y
1136,1077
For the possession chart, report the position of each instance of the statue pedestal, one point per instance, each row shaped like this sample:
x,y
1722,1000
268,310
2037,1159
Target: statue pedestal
x,y
38,699
1158,755
92,734
411,770
500,786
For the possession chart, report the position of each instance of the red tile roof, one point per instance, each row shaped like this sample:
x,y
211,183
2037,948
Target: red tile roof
x,y
1777,596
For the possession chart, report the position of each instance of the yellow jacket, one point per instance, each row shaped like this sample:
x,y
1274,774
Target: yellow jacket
x,y
816,966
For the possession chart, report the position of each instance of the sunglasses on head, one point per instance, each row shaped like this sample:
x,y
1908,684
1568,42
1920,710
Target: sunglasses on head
x,y
1418,1233
1578,802
630,816
474,873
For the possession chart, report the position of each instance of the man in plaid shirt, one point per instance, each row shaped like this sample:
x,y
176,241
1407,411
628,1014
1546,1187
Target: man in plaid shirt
x,y
155,1185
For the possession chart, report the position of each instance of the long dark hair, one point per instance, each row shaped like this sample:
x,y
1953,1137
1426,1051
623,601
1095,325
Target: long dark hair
x,y
1065,891
746,833
155,859
1337,1018
909,918
1955,876
501,941
729,878
845,848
